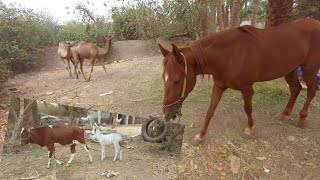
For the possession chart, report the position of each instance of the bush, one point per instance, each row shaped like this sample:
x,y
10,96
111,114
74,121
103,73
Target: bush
x,y
23,34
76,31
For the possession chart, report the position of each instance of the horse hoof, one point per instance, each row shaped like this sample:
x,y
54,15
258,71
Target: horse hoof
x,y
196,141
247,133
302,124
280,116
67,164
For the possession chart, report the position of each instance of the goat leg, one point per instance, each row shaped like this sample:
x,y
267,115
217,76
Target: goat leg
x,y
102,152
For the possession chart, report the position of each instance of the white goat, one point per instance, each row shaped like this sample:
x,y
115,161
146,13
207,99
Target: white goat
x,y
104,140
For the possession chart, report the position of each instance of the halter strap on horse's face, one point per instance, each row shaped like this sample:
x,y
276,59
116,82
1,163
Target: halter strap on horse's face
x,y
184,83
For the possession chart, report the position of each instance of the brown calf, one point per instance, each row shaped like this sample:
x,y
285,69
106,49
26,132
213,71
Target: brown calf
x,y
47,136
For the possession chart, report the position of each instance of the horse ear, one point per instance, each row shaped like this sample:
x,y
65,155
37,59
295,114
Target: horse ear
x,y
176,53
163,50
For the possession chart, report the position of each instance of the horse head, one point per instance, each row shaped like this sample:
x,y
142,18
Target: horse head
x,y
179,79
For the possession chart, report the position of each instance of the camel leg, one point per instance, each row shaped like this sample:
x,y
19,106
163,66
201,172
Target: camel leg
x,y
312,87
69,68
92,64
247,94
75,68
216,96
104,68
295,88
81,67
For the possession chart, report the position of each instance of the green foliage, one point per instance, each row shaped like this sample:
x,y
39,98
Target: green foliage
x,y
23,34
61,110
124,22
149,19
77,31
246,14
72,31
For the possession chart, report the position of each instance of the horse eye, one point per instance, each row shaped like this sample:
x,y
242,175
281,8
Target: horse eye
x,y
177,82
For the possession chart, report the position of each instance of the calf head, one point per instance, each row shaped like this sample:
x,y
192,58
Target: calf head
x,y
24,136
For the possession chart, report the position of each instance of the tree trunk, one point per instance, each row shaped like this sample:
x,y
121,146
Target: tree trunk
x,y
220,15
235,16
204,17
255,12
278,12
213,16
226,15
24,108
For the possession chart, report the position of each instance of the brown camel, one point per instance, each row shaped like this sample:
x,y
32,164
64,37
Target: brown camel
x,y
91,51
64,51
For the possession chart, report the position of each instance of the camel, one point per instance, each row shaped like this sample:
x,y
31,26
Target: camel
x,y
64,51
93,52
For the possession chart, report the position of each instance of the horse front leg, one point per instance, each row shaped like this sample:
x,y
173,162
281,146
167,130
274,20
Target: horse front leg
x,y
216,96
247,94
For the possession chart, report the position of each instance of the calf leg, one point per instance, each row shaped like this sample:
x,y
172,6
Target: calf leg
x,y
73,153
85,147
50,152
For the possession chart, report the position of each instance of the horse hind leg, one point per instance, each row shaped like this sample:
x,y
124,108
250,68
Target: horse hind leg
x,y
312,87
295,88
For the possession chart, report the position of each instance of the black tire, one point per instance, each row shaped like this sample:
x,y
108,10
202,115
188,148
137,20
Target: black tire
x,y
145,135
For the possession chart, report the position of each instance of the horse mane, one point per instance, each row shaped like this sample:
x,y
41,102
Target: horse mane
x,y
249,30
198,56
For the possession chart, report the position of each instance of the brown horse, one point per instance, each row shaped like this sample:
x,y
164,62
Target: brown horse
x,y
239,57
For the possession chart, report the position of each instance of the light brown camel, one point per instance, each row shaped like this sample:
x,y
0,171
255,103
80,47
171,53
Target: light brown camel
x,y
91,51
64,52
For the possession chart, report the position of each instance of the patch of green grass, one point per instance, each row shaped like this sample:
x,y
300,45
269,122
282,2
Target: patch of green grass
x,y
267,94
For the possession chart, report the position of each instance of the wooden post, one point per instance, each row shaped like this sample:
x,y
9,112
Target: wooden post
x,y
133,119
127,120
99,117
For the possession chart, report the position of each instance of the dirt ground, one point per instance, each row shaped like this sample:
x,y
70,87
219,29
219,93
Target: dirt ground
x,y
141,160
278,150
